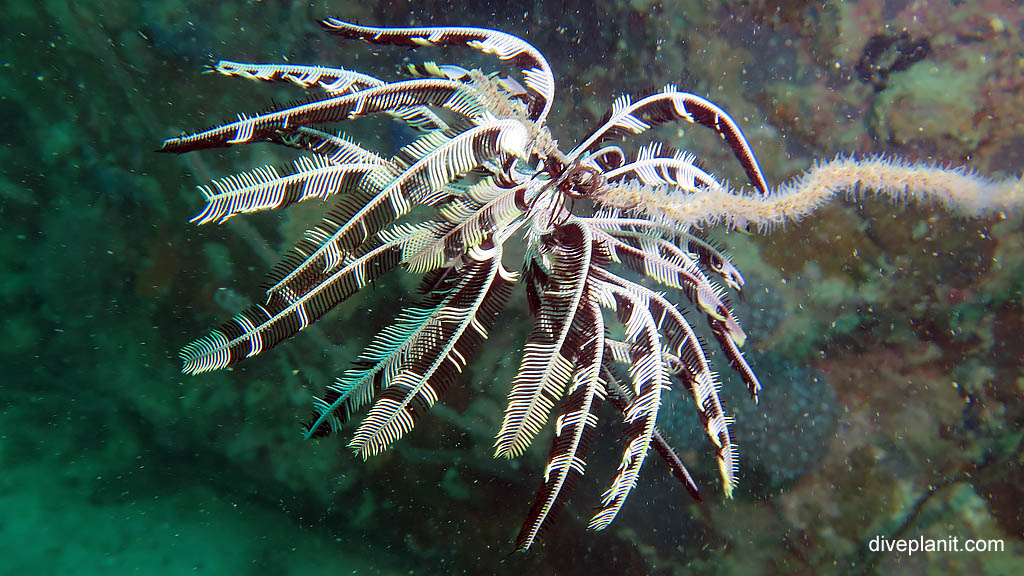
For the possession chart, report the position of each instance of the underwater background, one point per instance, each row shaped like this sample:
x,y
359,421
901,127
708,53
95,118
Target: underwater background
x,y
890,340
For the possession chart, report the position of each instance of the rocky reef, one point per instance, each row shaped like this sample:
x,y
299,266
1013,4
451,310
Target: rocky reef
x,y
891,340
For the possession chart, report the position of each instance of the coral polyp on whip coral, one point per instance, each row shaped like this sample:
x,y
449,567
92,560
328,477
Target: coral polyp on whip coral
x,y
491,173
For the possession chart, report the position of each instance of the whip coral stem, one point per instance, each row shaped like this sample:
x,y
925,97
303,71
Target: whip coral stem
x,y
957,189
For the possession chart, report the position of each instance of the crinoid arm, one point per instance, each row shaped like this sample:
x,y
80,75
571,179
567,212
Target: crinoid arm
x,y
536,69
628,118
442,353
391,98
620,397
333,81
574,428
547,364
